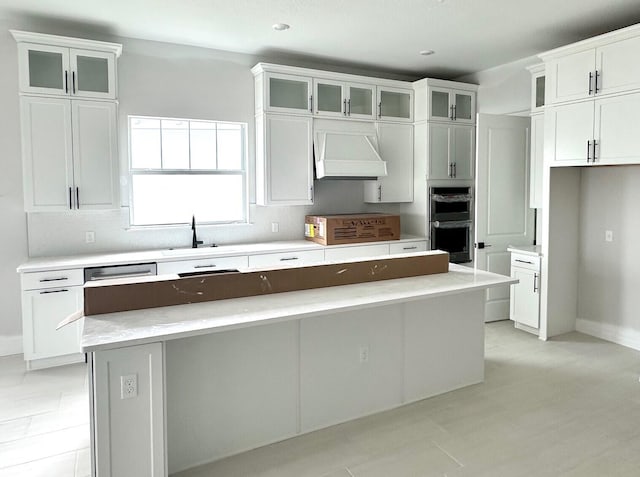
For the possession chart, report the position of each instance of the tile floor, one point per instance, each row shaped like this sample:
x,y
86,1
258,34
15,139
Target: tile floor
x,y
568,407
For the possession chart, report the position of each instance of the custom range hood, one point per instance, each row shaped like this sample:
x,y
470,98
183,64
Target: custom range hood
x,y
346,150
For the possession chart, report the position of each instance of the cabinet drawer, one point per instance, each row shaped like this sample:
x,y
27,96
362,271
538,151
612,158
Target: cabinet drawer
x,y
306,257
525,261
408,247
360,251
203,265
52,279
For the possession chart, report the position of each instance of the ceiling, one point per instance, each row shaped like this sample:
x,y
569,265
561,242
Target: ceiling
x,y
386,35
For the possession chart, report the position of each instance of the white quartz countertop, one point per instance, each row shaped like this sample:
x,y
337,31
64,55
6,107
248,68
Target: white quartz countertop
x,y
533,250
116,330
170,255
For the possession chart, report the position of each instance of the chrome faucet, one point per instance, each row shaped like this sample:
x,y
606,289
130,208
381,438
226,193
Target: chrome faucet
x,y
194,241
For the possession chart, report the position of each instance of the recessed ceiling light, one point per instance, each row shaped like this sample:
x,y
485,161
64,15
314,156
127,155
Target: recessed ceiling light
x,y
280,26
427,52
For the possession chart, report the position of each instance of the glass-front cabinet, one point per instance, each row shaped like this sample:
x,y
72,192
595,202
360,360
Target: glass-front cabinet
x,y
61,71
447,104
395,104
288,93
340,99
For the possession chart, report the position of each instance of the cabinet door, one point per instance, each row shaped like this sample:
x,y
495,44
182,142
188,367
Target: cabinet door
x,y
44,69
464,106
395,104
525,297
357,251
440,104
463,151
616,73
568,133
617,130
203,265
567,78
284,160
396,149
330,98
287,259
93,74
439,165
537,161
288,93
42,311
408,247
95,155
46,153
361,101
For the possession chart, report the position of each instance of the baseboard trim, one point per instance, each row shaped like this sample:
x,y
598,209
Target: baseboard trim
x,y
10,345
617,334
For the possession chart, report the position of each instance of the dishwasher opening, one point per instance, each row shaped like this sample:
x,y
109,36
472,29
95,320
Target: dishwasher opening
x,y
93,274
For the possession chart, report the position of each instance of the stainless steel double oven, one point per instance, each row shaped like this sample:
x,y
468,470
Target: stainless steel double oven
x,y
451,219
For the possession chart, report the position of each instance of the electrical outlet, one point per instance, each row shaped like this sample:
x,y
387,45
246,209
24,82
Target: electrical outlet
x,y
89,237
275,227
608,235
128,386
364,354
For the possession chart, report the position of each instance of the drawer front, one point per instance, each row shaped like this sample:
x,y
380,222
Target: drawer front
x,y
361,251
52,279
203,265
307,257
525,261
408,247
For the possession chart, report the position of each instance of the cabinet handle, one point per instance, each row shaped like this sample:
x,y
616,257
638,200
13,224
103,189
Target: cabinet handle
x,y
451,169
409,248
66,82
380,109
53,279
70,199
455,113
523,261
455,169
590,81
451,112
285,259
535,280
588,151
344,107
54,291
212,265
311,104
77,197
380,193
593,158
349,106
597,74
73,82
311,192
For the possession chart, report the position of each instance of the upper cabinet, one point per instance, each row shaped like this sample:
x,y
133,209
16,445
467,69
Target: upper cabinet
x,y
395,104
594,67
287,93
70,67
445,101
538,86
344,99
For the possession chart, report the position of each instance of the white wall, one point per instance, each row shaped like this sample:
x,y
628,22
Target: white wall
x,y
609,277
154,79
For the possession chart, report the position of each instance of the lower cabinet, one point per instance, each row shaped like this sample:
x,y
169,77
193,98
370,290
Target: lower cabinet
x,y
300,258
203,265
525,295
42,311
358,251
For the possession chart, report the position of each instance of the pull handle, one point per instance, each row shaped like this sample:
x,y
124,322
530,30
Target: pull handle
x,y
593,158
451,112
62,290
311,193
349,106
455,169
286,259
380,193
455,113
451,169
44,280
523,261
588,151
73,82
535,283
597,75
409,248
380,109
77,197
590,83
66,82
344,107
70,199
211,265
311,104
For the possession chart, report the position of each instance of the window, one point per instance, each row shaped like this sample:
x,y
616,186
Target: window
x,y
181,168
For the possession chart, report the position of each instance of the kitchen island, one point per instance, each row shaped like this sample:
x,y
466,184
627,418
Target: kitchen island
x,y
179,386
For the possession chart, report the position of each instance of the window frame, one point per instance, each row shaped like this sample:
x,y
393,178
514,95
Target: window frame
x,y
243,172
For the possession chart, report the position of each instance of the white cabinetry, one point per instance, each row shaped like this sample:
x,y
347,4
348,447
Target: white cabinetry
x,y
343,99
69,150
593,67
395,141
449,104
297,258
395,104
537,161
283,93
64,66
451,151
47,299
356,251
284,160
203,265
408,247
525,295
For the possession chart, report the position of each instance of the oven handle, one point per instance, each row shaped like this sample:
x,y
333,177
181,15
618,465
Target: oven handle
x,y
451,197
451,224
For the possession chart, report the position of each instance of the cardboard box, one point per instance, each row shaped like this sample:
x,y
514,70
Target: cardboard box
x,y
351,228
133,294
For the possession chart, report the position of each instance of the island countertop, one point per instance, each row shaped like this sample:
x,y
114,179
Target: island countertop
x,y
116,330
